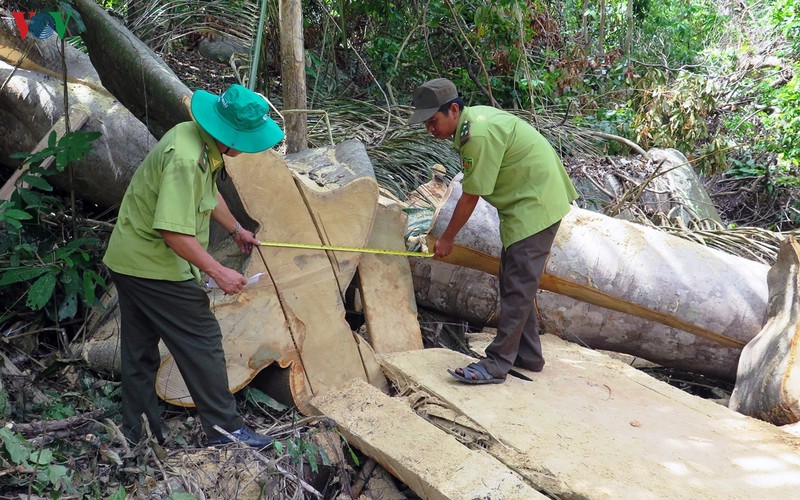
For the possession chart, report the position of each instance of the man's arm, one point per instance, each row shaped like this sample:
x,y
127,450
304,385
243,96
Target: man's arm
x,y
244,238
188,248
461,214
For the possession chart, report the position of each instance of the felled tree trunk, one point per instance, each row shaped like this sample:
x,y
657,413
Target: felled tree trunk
x,y
630,269
474,296
768,380
32,101
135,74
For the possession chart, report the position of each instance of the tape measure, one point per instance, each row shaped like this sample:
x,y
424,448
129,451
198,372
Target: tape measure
x,y
336,248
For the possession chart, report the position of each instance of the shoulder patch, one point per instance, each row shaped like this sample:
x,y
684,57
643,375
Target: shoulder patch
x,y
464,136
203,162
466,164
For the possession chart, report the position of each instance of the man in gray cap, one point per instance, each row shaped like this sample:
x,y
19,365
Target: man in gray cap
x,y
511,165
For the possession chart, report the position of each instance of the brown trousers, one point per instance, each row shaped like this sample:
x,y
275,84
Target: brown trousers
x,y
178,313
517,341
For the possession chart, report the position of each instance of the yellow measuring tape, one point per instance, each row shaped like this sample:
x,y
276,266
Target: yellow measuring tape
x,y
335,248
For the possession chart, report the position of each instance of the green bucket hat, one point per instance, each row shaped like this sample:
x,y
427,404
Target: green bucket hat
x,y
238,119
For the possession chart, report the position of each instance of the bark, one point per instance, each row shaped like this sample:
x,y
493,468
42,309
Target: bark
x,y
293,72
36,428
135,74
31,102
631,269
768,380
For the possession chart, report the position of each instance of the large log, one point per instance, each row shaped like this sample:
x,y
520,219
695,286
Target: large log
x,y
474,296
632,269
768,380
135,74
31,102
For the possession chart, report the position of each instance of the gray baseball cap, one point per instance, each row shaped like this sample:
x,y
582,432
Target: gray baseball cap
x,y
429,97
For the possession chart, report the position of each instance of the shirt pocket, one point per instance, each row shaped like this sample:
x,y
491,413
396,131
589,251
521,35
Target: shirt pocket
x,y
207,203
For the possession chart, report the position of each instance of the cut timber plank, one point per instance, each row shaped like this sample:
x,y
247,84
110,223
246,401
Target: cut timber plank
x,y
329,352
589,426
387,290
339,188
77,118
431,462
297,320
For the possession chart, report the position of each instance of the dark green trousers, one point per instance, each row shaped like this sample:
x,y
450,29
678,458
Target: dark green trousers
x,y
517,341
179,314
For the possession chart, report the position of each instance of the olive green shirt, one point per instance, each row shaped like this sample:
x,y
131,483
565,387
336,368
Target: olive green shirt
x,y
512,166
174,189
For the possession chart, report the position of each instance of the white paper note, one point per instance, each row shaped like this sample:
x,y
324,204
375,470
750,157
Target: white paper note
x,y
252,279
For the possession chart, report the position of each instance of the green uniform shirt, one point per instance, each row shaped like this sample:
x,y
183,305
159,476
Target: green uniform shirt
x,y
173,189
512,166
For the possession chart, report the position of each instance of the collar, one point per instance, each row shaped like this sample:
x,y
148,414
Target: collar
x,y
210,149
460,129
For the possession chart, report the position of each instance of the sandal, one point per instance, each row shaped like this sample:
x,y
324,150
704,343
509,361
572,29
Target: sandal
x,y
476,374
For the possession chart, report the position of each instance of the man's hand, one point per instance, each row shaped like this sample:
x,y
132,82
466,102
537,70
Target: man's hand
x,y
443,248
464,207
188,248
245,240
229,281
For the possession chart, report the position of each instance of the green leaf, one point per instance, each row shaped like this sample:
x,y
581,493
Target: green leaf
x,y
90,281
120,494
69,307
13,213
15,445
181,495
259,397
32,198
62,159
37,182
41,291
311,456
21,274
278,445
14,222
42,457
56,473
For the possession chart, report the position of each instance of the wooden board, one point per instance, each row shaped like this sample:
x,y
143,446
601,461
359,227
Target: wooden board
x,y
589,426
296,318
427,459
339,188
387,290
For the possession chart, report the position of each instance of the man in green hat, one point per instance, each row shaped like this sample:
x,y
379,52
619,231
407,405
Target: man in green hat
x,y
512,166
158,250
